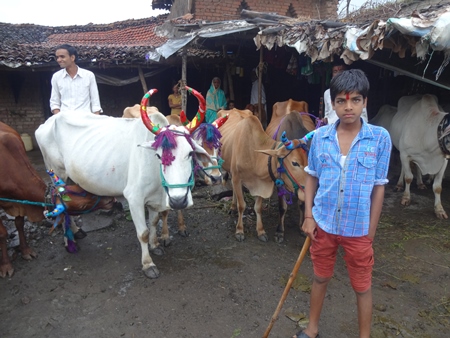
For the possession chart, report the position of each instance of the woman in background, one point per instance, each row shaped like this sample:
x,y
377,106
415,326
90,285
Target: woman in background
x,y
215,100
175,101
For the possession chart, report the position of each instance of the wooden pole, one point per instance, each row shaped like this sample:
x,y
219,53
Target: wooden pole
x,y
230,83
142,78
261,113
288,285
227,78
183,82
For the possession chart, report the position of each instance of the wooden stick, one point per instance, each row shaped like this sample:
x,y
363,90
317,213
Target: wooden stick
x,y
183,80
142,78
288,285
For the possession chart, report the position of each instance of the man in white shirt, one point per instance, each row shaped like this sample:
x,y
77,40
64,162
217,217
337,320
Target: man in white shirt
x,y
73,88
330,116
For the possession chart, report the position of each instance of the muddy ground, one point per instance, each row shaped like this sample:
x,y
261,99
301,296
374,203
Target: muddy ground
x,y
213,286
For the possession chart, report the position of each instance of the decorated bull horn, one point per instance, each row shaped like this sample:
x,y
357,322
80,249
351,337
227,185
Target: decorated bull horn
x,y
59,209
296,143
183,118
287,143
220,121
154,128
290,145
309,136
198,119
56,180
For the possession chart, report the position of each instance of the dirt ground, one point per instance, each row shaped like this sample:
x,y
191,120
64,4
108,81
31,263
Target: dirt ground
x,y
213,286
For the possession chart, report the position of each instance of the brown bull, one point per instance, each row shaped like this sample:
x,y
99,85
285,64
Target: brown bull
x,y
281,109
20,181
245,151
292,126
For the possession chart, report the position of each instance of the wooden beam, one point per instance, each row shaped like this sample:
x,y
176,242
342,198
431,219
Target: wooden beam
x,y
228,73
141,76
408,73
261,112
183,81
263,15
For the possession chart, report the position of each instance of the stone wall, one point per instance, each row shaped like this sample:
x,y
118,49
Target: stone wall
x,y
218,10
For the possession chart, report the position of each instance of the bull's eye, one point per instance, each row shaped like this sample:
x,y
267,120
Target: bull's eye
x,y
295,164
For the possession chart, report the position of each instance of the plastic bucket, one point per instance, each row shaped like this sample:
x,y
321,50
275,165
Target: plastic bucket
x,y
27,141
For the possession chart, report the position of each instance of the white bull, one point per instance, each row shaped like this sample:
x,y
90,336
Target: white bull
x,y
384,116
384,119
114,157
208,137
414,132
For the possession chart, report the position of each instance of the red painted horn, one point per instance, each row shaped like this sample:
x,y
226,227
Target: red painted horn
x,y
154,128
183,118
199,117
220,121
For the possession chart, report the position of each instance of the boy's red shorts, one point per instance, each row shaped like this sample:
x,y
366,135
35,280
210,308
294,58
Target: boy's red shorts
x,y
358,256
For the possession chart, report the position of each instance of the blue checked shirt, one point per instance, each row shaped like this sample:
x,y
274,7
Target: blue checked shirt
x,y
342,202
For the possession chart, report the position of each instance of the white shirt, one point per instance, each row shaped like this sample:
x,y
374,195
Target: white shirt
x,y
254,94
330,113
77,94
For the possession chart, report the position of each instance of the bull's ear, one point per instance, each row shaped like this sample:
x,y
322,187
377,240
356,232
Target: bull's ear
x,y
146,144
280,152
204,158
201,154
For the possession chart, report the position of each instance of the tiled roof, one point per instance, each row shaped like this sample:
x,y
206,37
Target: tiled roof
x,y
119,42
140,35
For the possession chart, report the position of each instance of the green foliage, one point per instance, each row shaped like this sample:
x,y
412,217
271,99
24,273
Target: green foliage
x,y
236,332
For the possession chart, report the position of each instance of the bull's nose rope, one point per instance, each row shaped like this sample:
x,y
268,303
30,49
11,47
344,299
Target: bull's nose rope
x,y
41,204
190,182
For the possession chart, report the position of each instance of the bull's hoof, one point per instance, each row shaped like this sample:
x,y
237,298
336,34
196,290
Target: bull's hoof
x,y
184,233
421,186
158,251
406,201
165,242
263,237
6,270
441,214
80,234
152,272
28,254
279,237
239,236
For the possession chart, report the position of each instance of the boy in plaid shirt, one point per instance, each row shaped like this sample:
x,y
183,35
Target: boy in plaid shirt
x,y
347,170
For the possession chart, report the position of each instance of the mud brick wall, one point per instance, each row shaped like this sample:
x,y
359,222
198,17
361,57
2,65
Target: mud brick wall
x,y
218,10
26,114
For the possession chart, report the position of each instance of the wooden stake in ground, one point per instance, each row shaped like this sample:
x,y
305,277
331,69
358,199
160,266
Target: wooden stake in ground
x,y
288,285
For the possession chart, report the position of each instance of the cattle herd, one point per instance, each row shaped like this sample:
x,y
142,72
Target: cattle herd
x,y
151,160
